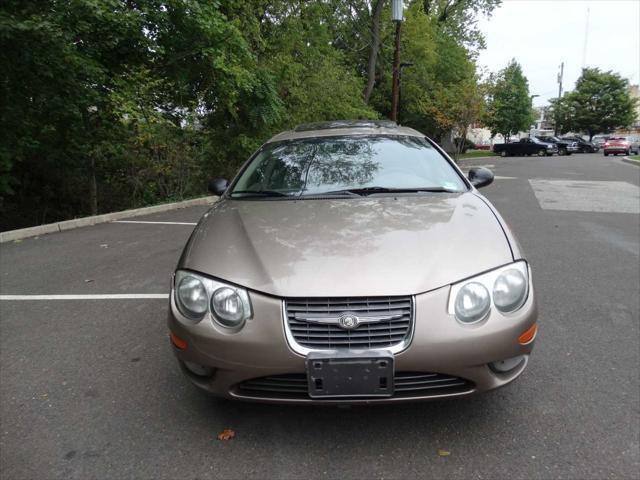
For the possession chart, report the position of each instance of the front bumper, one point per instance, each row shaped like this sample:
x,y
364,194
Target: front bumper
x,y
616,149
440,345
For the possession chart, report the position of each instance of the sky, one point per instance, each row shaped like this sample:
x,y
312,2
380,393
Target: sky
x,y
540,34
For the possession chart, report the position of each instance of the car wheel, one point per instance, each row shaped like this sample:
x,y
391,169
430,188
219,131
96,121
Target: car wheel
x,y
562,152
606,154
542,152
503,153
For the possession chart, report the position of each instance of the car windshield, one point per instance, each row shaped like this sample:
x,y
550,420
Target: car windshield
x,y
347,165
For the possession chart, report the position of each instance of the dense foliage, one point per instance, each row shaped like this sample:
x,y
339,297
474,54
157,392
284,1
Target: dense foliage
x,y
600,102
509,109
111,104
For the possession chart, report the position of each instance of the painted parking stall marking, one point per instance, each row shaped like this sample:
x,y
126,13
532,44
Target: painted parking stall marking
x,y
587,196
116,296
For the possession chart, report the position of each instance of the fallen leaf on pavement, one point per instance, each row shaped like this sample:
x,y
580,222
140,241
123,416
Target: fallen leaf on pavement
x,y
226,434
444,453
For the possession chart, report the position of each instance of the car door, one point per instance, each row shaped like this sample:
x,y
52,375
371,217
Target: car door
x,y
528,147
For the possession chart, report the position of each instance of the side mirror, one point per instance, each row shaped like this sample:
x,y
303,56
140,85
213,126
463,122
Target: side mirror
x,y
218,186
480,177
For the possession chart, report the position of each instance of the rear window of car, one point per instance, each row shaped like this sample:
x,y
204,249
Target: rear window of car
x,y
322,165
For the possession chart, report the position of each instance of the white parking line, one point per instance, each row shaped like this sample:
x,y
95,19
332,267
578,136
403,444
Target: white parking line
x,y
117,296
156,223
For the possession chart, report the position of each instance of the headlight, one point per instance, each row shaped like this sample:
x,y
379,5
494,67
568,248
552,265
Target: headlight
x,y
192,296
472,303
229,306
195,295
509,290
506,288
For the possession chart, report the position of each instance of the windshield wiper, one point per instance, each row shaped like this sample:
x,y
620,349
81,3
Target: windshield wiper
x,y
372,190
260,193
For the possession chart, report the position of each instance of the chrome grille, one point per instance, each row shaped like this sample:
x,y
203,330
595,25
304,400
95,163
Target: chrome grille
x,y
406,385
378,334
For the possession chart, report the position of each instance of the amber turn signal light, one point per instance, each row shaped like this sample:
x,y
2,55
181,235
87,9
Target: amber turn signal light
x,y
177,341
529,335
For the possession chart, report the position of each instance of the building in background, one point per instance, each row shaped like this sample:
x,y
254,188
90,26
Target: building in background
x,y
544,124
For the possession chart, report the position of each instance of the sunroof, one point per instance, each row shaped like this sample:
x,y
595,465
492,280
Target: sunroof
x,y
305,127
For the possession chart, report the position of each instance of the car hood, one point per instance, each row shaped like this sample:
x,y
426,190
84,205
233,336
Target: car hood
x,y
369,246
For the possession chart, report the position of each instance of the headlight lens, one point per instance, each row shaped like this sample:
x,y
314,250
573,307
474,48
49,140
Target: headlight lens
x,y
506,288
192,297
228,307
509,290
472,302
196,294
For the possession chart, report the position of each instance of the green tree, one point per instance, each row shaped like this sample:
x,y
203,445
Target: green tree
x,y
509,109
88,76
112,104
600,102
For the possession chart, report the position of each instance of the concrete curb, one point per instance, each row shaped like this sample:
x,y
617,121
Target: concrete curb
x,y
12,235
631,161
461,160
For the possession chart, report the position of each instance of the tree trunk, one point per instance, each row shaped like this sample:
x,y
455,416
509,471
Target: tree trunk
x,y
460,145
375,48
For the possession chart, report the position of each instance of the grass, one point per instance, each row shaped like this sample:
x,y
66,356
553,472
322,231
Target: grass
x,y
477,154
635,157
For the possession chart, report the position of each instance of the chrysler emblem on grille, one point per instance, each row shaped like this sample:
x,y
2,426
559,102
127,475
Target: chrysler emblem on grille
x,y
348,321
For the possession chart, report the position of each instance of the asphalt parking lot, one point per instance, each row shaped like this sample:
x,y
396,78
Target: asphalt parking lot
x,y
89,387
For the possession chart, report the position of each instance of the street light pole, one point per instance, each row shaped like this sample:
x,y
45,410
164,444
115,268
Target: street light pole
x,y
397,15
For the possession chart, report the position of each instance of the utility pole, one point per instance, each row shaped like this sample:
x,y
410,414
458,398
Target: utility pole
x,y
396,15
402,65
560,75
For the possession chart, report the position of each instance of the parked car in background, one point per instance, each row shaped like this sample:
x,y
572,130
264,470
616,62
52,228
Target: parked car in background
x,y
634,144
584,146
618,145
565,147
600,140
526,146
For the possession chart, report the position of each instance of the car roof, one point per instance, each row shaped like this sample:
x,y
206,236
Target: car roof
x,y
345,128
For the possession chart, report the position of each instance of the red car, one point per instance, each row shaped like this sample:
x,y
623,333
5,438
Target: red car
x,y
616,145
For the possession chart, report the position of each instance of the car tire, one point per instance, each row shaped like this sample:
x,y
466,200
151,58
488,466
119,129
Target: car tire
x,y
606,154
503,153
542,152
562,152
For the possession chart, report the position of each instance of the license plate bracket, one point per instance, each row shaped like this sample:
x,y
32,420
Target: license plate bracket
x,y
335,374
